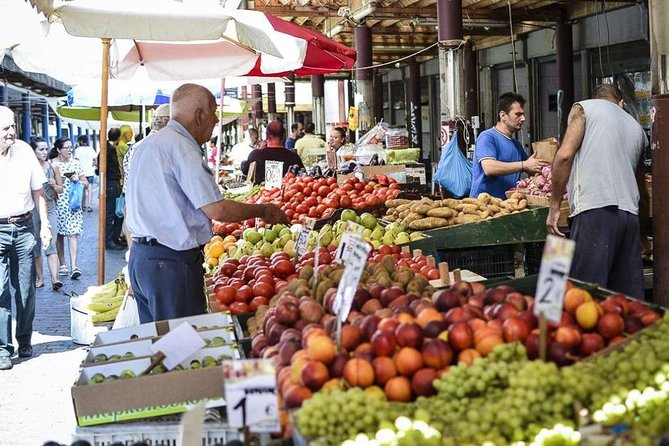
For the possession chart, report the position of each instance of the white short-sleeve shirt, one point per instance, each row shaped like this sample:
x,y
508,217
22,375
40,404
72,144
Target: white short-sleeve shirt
x,y
169,185
20,174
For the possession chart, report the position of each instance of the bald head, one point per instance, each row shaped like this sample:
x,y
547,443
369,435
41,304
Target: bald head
x,y
6,112
194,107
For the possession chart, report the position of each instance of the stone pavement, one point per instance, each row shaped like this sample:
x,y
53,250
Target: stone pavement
x,y
35,402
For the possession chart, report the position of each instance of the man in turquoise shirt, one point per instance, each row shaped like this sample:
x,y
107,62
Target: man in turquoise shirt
x,y
499,159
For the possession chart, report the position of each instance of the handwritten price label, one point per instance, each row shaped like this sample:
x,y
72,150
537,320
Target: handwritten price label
x,y
553,273
351,231
303,237
273,174
352,272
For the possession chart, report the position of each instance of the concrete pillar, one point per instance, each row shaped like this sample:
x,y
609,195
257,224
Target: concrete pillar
x,y
289,91
378,98
364,95
70,131
256,95
451,82
318,102
271,102
59,127
45,121
471,83
341,98
26,117
414,123
565,71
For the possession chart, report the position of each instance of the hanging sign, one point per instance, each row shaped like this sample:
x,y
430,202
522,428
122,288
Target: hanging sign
x,y
553,273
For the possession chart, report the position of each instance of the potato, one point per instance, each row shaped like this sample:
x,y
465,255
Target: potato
x,y
412,217
428,223
467,218
522,204
517,196
469,201
496,201
421,208
442,212
484,197
404,207
485,214
450,202
494,208
396,202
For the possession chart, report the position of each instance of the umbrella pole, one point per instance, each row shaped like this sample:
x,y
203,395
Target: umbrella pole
x,y
217,161
106,42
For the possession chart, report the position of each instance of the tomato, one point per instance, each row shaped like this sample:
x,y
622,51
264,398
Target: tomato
x,y
345,202
373,201
334,186
321,208
263,289
313,212
307,191
244,294
323,191
239,308
226,295
301,209
369,188
311,201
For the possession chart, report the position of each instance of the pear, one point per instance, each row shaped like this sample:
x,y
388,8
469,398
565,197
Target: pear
x,y
266,250
269,235
284,231
348,215
416,236
289,248
402,238
252,236
278,228
285,239
368,220
388,239
378,233
376,244
367,234
326,239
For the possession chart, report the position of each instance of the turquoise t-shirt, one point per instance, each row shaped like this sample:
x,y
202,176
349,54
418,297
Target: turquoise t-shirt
x,y
492,144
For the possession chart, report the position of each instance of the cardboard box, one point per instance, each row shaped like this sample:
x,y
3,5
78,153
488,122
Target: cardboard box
x,y
545,149
154,329
138,349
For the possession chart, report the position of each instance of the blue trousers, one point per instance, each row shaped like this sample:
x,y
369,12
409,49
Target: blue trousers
x,y
167,284
608,250
17,266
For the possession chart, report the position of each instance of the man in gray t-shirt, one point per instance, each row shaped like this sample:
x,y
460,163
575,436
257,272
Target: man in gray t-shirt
x,y
600,164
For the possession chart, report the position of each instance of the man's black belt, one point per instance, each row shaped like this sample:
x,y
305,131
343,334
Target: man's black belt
x,y
146,241
16,218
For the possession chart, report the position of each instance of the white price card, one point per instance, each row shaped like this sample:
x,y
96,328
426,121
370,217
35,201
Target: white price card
x,y
178,344
250,394
345,247
273,174
303,238
553,273
349,280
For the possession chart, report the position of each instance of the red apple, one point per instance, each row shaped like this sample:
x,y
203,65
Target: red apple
x,y
460,336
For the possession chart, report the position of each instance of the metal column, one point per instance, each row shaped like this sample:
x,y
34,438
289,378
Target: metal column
x,y
471,83
45,121
565,71
3,95
659,50
59,127
378,98
26,116
256,95
364,83
289,92
414,117
271,102
318,102
451,82
70,132
341,98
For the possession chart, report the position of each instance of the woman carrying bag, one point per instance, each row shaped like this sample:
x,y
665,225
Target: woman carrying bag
x,y
70,221
52,188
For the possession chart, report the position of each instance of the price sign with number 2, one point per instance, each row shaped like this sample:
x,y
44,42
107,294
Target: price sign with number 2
x,y
555,265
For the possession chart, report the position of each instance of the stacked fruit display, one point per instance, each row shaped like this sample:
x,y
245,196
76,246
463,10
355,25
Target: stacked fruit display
x,y
318,198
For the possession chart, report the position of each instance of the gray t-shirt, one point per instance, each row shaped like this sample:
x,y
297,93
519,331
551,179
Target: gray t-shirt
x,y
603,172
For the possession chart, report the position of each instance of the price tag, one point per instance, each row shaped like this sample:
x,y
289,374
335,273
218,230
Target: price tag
x,y
178,344
351,231
303,237
555,265
349,280
250,394
273,174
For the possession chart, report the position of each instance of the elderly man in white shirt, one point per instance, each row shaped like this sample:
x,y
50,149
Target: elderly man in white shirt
x,y
21,181
170,202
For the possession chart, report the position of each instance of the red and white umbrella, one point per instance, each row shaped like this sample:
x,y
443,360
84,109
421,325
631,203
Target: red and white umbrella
x,y
300,50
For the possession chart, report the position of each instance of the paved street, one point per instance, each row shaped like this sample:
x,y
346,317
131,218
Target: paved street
x,y
35,404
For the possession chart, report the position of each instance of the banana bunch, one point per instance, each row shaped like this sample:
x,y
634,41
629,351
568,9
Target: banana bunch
x,y
104,301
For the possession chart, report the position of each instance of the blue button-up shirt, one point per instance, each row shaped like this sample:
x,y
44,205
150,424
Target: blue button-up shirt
x,y
169,185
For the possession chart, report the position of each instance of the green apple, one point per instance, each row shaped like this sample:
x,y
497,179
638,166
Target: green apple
x,y
349,215
252,236
368,220
269,235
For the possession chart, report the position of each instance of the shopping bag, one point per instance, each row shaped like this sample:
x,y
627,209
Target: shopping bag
x,y
454,172
128,314
75,195
120,204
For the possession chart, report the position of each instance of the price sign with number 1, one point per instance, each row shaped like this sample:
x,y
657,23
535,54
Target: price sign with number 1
x,y
555,265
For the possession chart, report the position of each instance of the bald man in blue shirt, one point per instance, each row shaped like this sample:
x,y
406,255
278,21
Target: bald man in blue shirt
x,y
171,199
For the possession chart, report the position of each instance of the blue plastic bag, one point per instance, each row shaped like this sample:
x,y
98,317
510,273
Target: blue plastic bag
x,y
120,204
454,172
75,195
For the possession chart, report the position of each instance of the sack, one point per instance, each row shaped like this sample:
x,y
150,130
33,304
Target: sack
x,y
128,314
75,195
454,172
120,204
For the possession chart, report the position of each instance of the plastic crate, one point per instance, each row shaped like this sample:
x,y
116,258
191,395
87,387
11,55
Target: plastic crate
x,y
533,254
489,261
158,432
